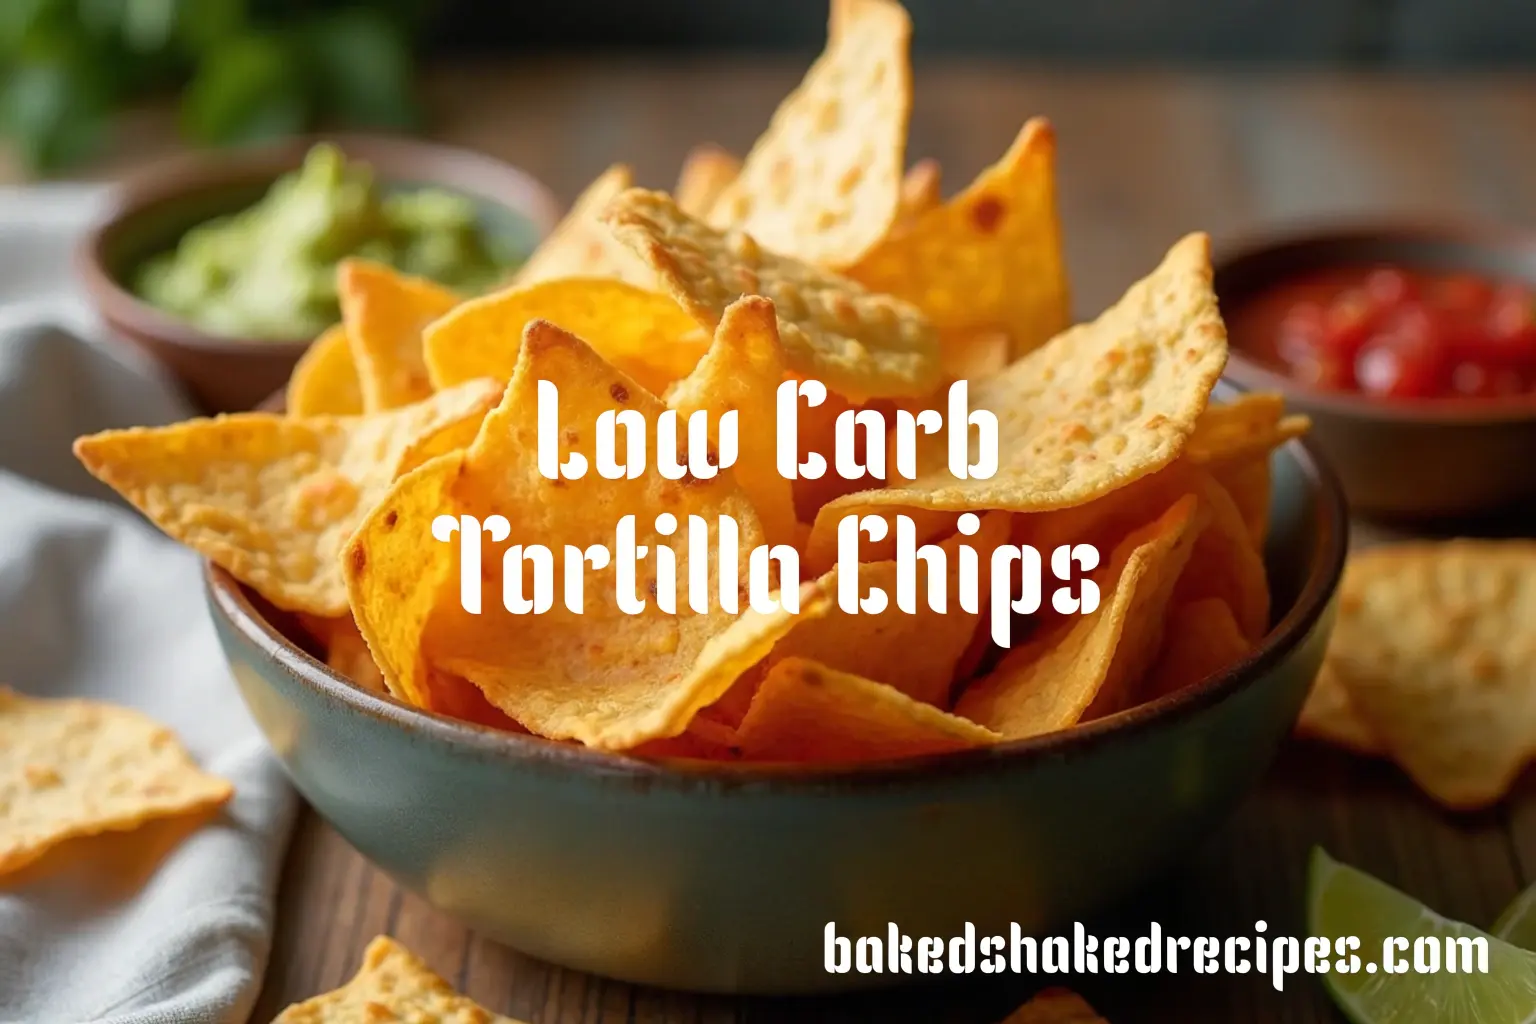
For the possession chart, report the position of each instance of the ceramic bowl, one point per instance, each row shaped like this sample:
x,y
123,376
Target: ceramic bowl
x,y
154,208
723,877
1414,461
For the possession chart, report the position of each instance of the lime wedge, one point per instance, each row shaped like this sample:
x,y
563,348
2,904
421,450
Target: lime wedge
x,y
1342,901
1517,925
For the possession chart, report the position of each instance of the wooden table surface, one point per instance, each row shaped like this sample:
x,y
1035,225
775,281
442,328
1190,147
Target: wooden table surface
x,y
1144,158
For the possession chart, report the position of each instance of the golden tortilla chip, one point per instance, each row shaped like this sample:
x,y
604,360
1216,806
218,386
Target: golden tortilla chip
x,y
1250,485
643,333
1435,644
269,498
974,355
1095,409
580,246
77,768
393,984
913,653
807,712
1250,426
346,651
707,171
1329,715
1055,1006
324,381
1088,665
860,344
922,189
823,183
603,677
742,371
1225,563
385,313
1200,639
990,258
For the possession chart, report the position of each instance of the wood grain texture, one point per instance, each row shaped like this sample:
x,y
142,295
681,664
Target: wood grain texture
x,y
1145,157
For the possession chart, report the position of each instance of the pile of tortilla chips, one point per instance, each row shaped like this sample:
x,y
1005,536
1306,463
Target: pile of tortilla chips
x,y
395,984
1431,665
71,768
813,257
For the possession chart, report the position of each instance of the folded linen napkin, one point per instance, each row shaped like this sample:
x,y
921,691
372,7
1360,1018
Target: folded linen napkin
x,y
167,925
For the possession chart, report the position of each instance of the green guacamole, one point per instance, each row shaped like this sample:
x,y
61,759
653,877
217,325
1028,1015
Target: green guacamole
x,y
270,271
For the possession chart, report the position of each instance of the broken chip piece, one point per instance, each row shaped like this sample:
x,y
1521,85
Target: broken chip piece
x,y
73,768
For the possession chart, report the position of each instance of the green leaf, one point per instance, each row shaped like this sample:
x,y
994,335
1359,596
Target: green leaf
x,y
54,112
248,89
362,69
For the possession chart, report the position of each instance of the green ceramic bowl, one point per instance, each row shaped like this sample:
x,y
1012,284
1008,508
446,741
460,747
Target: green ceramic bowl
x,y
723,878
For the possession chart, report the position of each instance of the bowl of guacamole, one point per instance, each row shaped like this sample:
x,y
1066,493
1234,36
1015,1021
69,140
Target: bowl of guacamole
x,y
224,266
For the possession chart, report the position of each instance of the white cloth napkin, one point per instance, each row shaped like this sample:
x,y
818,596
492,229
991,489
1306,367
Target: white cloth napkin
x,y
94,602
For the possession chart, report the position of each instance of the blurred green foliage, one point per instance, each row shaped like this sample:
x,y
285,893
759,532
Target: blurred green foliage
x,y
245,69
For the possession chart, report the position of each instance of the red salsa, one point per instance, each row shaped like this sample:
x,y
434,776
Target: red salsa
x,y
1391,332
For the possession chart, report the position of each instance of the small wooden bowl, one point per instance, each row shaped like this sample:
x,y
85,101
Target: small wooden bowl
x,y
155,207
1451,460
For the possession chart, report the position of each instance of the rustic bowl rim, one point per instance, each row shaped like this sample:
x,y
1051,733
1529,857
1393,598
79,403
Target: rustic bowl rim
x,y
233,603
1468,235
165,182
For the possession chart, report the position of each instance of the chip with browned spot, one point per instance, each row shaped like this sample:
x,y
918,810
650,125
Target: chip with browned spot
x,y
990,258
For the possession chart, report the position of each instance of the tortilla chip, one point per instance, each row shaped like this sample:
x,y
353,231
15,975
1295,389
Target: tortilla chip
x,y
393,984
707,171
1226,564
1435,644
347,652
643,333
1055,1006
1250,426
77,768
1329,715
1200,639
823,183
1088,665
324,381
605,678
742,371
580,246
385,313
1097,408
974,355
990,258
859,344
922,189
269,498
1250,486
807,712
913,653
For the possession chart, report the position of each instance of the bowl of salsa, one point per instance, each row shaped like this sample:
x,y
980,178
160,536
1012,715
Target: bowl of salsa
x,y
222,266
1413,349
